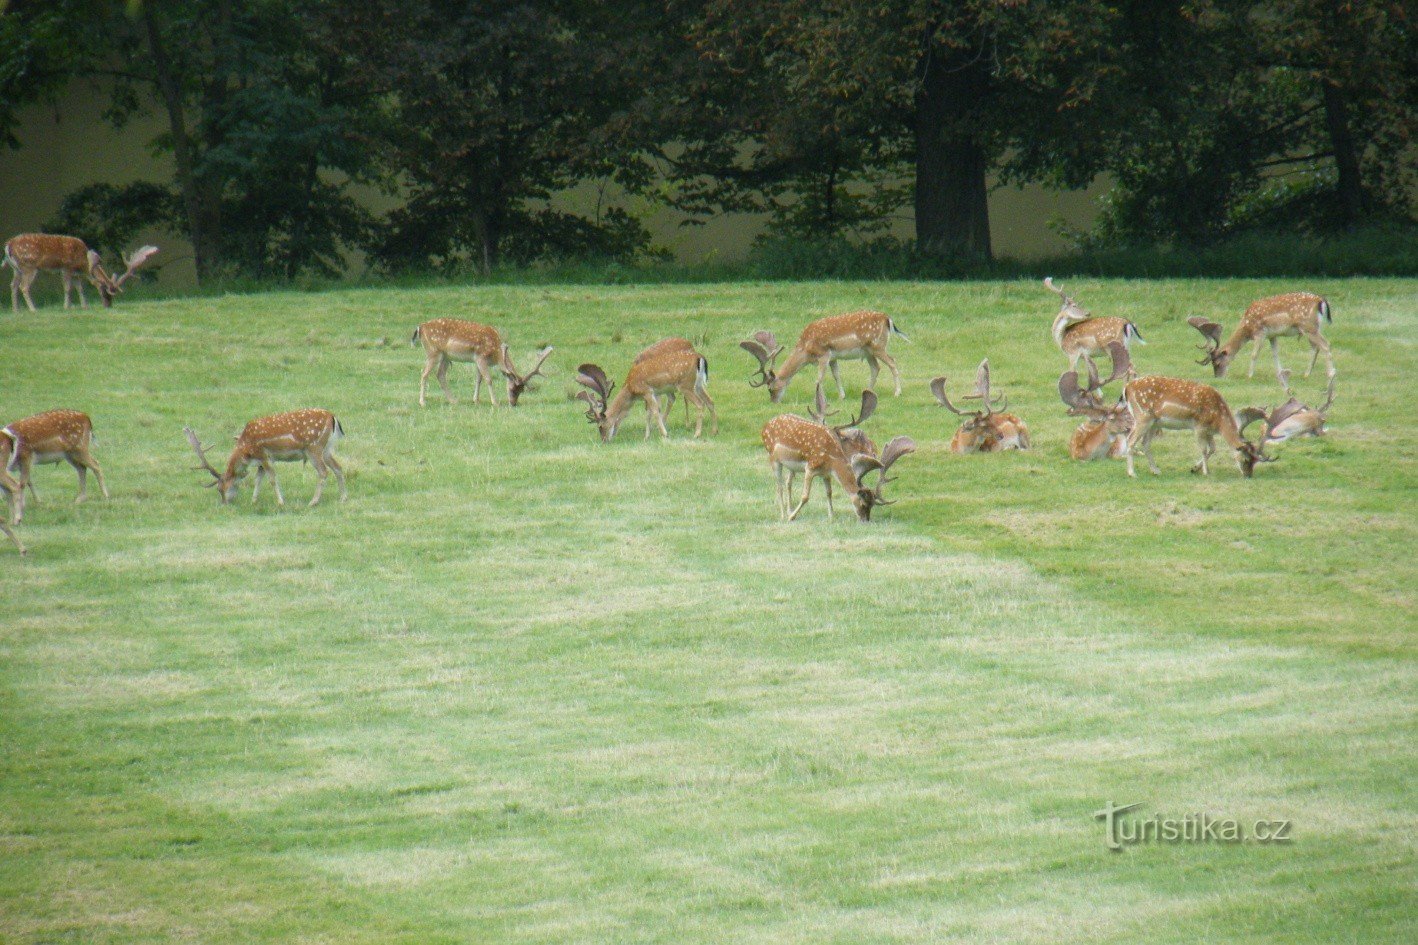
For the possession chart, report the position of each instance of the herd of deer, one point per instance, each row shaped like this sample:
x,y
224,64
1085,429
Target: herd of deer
x,y
811,446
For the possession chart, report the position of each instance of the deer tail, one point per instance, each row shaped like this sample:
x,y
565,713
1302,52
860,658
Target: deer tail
x,y
1131,332
415,339
701,375
891,327
1324,311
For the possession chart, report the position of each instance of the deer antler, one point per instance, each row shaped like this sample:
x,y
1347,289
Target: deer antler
x,y
982,388
1122,366
201,456
1211,331
1329,397
938,389
1080,402
536,368
897,448
766,349
131,263
598,391
868,408
1049,284
819,411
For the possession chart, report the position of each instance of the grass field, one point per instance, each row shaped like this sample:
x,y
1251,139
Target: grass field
x,y
523,687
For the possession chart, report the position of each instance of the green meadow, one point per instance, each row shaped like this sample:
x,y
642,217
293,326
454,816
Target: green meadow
x,y
524,687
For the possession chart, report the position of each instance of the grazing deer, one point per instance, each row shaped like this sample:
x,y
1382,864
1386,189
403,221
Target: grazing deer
x,y
11,487
30,253
667,346
283,437
1079,335
684,371
1104,434
451,339
48,438
796,445
985,431
824,343
1291,419
1171,403
1273,318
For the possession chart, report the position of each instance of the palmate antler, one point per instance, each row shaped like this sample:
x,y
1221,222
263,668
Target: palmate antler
x,y
1211,331
131,263
766,349
1085,401
897,448
597,393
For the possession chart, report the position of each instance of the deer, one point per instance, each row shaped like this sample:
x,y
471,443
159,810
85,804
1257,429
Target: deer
x,y
686,372
1104,434
11,487
1268,319
666,346
46,438
451,339
309,434
1081,336
985,431
1291,419
31,253
1174,403
824,343
797,445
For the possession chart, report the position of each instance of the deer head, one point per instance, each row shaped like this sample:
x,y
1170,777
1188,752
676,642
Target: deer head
x,y
517,383
867,499
1087,401
224,482
596,396
1070,311
978,419
1213,353
855,443
108,286
766,349
1291,419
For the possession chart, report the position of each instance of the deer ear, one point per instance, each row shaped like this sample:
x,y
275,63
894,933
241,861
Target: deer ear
x,y
94,261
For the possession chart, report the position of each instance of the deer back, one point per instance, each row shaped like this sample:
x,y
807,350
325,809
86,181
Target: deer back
x,y
54,431
672,368
48,251
440,334
295,429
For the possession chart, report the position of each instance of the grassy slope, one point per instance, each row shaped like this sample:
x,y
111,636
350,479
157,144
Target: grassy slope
x,y
526,688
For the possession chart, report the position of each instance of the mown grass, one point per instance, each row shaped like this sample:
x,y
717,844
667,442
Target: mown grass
x,y
526,688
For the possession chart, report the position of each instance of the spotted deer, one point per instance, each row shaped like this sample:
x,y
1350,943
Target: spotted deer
x,y
985,430
686,372
1104,433
309,434
1268,319
29,254
1291,419
1081,336
823,343
797,445
49,437
1172,403
451,339
667,346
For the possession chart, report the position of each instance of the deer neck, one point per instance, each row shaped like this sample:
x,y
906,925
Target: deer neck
x,y
1246,331
791,366
619,407
1226,426
842,469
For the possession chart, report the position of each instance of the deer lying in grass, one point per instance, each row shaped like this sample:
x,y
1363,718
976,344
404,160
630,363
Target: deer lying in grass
x,y
686,372
309,434
451,339
985,431
824,343
796,445
49,437
1273,318
1171,403
1079,335
31,253
1104,434
1291,419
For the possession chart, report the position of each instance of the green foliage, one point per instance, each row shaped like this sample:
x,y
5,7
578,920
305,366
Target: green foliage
x,y
108,217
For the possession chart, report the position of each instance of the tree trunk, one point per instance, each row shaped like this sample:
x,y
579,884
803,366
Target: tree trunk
x,y
1346,156
952,210
202,224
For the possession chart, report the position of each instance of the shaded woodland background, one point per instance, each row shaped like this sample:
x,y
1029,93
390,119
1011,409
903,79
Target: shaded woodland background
x,y
1214,122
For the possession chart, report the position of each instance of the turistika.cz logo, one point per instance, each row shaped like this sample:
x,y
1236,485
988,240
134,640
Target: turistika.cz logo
x,y
1126,831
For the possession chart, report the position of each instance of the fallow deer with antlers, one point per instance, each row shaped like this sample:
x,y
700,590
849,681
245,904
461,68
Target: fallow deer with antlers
x,y
1079,335
1104,434
49,437
797,445
682,371
309,434
986,431
1172,403
452,339
825,342
31,253
1268,319
1292,419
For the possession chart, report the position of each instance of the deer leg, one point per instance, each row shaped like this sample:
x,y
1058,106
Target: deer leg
x,y
779,495
430,364
890,363
26,480
822,373
87,459
836,370
318,461
68,278
25,284
443,363
1319,345
334,464
10,533
652,409
485,374
1255,353
1204,442
828,484
1275,353
807,491
83,481
256,490
1147,451
79,284
271,471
